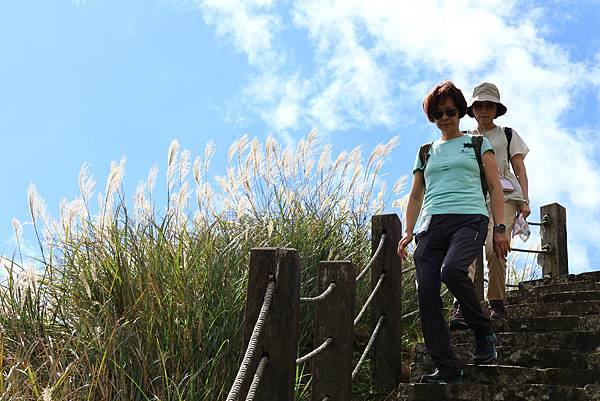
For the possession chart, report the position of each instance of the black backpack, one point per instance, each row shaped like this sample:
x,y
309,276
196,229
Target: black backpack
x,y
476,142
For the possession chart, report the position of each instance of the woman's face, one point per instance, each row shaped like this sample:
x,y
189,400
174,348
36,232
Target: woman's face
x,y
445,116
484,112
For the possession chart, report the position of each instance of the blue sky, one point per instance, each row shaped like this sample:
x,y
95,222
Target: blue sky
x,y
91,81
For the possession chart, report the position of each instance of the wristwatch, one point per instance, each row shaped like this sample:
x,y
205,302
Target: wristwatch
x,y
500,228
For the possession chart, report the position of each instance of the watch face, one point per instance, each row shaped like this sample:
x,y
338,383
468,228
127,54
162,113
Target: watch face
x,y
501,228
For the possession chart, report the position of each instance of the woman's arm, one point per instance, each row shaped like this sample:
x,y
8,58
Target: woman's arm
x,y
415,201
490,169
518,164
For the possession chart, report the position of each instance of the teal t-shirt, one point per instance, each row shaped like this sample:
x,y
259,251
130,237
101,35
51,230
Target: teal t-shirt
x,y
452,180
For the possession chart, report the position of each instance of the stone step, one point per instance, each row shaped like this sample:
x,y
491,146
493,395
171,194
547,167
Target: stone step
x,y
577,308
528,296
546,324
476,392
533,357
503,374
565,340
553,323
568,278
515,296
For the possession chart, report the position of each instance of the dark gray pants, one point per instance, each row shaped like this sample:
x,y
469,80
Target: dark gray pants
x,y
444,252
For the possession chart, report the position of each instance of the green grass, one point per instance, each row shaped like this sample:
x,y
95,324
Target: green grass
x,y
136,302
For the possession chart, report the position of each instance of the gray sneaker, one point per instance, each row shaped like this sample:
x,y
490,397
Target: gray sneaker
x,y
485,349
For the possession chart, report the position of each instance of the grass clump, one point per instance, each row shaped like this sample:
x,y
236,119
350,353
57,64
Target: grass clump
x,y
128,301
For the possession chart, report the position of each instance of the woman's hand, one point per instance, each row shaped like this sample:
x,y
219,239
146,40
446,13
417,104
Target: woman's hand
x,y
501,244
524,210
402,244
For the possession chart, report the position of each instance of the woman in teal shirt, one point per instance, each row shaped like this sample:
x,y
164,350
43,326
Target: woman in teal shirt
x,y
447,192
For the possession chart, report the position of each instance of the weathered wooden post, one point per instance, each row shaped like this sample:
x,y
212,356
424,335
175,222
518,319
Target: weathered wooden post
x,y
279,340
386,357
553,234
334,316
479,274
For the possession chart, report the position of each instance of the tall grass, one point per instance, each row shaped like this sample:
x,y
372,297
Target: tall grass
x,y
127,300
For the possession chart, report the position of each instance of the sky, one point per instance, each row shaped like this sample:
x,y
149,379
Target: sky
x,y
94,80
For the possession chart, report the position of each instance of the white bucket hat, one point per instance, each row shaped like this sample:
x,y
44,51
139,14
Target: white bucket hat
x,y
486,92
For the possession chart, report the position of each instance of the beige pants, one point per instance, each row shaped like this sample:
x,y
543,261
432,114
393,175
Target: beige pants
x,y
496,266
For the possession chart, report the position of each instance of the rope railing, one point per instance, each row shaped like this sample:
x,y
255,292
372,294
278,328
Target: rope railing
x,y
547,248
508,285
411,269
335,313
254,338
410,314
368,347
315,352
257,378
546,221
321,297
375,255
369,300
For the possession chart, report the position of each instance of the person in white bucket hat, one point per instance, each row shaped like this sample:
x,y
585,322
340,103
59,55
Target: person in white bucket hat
x,y
510,149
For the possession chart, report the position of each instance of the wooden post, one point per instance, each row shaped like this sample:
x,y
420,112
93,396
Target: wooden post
x,y
334,317
386,357
478,281
554,263
279,339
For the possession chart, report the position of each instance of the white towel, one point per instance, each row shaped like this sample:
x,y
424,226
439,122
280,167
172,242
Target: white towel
x,y
521,228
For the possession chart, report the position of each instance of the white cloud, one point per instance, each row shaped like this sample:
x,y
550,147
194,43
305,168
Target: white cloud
x,y
249,23
373,61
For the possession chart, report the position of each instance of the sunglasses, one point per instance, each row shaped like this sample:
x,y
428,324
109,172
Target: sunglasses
x,y
437,115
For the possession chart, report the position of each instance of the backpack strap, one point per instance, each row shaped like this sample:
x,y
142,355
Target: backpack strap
x,y
424,154
508,133
476,141
424,157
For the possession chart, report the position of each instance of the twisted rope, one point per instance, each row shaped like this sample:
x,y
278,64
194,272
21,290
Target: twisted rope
x,y
249,355
257,378
364,308
417,311
409,270
321,297
547,248
315,352
375,255
369,345
546,221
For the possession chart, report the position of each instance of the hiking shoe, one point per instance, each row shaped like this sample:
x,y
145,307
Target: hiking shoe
x,y
457,321
437,377
485,349
497,310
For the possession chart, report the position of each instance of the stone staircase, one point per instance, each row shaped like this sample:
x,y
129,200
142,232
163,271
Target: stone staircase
x,y
548,349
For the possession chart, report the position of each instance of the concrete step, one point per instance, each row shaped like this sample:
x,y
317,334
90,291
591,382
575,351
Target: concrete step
x,y
546,324
565,340
569,278
533,296
515,296
553,323
533,357
577,308
476,392
504,374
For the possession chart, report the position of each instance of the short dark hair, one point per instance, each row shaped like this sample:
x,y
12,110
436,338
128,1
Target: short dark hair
x,y
443,90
